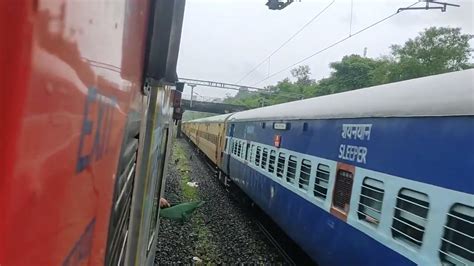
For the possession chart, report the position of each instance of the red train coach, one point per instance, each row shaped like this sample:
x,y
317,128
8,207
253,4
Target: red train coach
x,y
86,113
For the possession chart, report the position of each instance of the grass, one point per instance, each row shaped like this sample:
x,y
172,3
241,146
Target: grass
x,y
179,155
204,248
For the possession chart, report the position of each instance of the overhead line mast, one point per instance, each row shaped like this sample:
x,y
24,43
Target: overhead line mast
x,y
267,59
438,5
278,4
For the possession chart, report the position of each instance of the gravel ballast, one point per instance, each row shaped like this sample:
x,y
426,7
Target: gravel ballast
x,y
221,231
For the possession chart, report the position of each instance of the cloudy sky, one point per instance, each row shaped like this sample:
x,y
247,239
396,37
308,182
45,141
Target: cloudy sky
x,y
224,39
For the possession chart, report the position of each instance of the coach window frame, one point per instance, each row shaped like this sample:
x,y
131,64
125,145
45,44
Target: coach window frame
x,y
252,154
300,171
456,219
316,177
242,146
264,160
403,236
239,145
372,193
258,155
232,145
283,169
272,166
292,158
244,150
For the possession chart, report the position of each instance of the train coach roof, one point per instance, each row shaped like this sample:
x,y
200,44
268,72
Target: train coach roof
x,y
450,94
216,118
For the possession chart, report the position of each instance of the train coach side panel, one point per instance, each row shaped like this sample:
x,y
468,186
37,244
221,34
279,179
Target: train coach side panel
x,y
67,126
191,129
430,155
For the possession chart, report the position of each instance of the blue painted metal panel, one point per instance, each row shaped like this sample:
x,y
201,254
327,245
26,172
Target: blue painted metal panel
x,y
433,150
324,237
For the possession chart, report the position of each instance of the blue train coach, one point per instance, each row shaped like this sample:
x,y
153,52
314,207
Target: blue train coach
x,y
371,176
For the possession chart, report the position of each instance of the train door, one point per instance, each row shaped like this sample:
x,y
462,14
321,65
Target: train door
x,y
342,190
218,143
229,147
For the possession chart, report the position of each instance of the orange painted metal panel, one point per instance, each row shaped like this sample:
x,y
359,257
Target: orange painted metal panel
x,y
69,78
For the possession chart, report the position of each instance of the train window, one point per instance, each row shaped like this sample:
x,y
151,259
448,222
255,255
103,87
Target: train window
x,y
243,152
233,146
271,161
370,202
225,145
409,221
321,182
257,156
252,154
263,124
247,152
458,240
291,170
239,149
280,164
305,173
264,158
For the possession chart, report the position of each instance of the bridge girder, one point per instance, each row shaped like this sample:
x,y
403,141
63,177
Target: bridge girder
x,y
211,107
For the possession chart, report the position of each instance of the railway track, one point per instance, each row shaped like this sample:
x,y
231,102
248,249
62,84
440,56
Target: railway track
x,y
288,259
288,249
220,232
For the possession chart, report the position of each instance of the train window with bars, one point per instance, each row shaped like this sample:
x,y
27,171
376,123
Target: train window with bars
x,y
370,202
234,147
252,154
243,153
291,169
280,164
458,240
239,148
410,217
305,173
271,161
257,156
247,152
264,158
321,182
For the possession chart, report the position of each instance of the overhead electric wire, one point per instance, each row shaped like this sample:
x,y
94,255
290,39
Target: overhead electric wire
x,y
332,45
286,42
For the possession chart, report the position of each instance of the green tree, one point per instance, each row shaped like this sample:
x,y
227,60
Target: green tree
x,y
302,75
352,72
434,51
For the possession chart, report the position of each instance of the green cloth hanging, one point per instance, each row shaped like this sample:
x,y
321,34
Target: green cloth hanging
x,y
181,212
